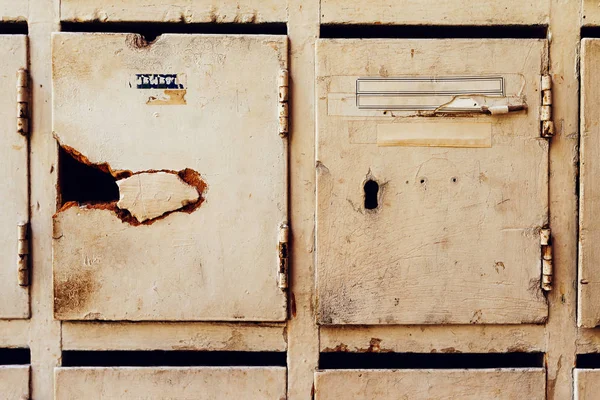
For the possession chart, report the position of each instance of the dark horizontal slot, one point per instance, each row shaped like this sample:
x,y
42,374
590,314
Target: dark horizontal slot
x,y
172,359
433,32
590,32
14,28
15,356
588,361
151,31
430,360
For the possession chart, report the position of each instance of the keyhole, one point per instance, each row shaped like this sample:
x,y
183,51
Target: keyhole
x,y
371,193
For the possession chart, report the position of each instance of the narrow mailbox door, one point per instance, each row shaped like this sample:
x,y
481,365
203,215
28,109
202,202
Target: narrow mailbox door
x,y
589,223
14,382
14,299
429,209
188,127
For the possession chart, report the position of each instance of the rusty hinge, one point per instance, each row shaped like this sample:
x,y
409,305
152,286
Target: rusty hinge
x,y
547,268
283,83
23,102
282,271
546,108
23,253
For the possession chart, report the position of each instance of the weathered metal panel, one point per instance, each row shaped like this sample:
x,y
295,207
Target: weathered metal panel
x,y
255,383
14,10
14,299
447,232
189,11
438,12
587,383
14,382
589,225
505,384
210,119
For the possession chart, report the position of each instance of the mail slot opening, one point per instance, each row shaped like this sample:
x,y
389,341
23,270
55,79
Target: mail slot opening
x,y
371,193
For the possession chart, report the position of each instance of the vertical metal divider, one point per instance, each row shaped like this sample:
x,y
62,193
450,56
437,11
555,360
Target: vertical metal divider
x,y
302,330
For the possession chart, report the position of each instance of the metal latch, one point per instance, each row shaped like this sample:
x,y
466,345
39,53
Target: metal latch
x,y
547,267
282,273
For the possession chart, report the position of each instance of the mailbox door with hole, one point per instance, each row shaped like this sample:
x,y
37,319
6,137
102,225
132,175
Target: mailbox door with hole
x,y
429,202
14,192
188,11
14,381
201,383
589,225
173,177
436,12
484,384
590,13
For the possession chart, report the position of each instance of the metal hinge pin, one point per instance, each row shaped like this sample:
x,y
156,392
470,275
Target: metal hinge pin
x,y
282,273
23,102
283,83
546,107
23,253
547,267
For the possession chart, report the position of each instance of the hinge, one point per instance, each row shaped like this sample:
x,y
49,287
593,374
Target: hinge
x,y
283,83
23,253
23,102
547,125
282,271
547,268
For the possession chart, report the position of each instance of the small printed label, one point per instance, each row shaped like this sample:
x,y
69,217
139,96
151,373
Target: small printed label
x,y
159,81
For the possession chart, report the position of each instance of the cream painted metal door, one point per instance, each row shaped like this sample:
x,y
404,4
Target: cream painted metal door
x,y
488,384
429,209
14,382
14,299
188,126
255,383
436,12
589,226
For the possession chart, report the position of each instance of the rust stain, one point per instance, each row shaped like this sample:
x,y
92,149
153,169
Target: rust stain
x,y
71,293
340,348
293,305
137,41
172,97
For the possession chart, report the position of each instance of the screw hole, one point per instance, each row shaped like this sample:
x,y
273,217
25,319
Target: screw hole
x,y
371,193
454,179
422,181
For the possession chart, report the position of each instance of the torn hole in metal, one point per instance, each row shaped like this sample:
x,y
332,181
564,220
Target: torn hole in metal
x,y
137,198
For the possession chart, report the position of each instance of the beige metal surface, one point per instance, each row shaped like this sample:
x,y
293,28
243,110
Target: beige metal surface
x,y
440,12
14,299
216,261
587,384
227,11
14,382
170,383
590,15
13,10
506,384
454,238
433,339
43,333
172,336
589,225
